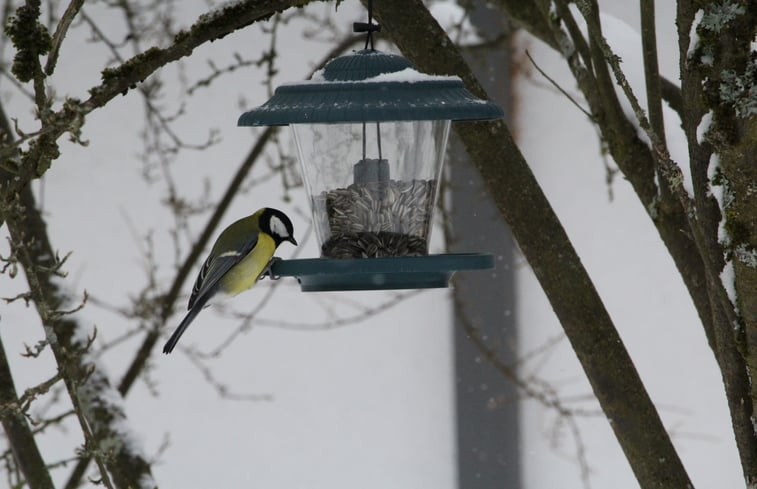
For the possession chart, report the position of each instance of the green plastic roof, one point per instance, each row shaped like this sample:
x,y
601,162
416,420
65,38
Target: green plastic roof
x,y
368,86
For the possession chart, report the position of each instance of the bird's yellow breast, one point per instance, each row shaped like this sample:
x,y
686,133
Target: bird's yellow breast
x,y
245,273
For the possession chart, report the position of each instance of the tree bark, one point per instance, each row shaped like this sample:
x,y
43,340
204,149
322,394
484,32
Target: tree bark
x,y
20,436
718,76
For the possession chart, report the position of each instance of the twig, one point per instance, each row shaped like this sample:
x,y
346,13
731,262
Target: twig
x,y
216,72
651,70
557,86
60,33
546,397
336,322
20,438
221,388
32,393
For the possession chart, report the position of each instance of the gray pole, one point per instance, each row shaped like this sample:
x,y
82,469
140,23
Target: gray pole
x,y
487,410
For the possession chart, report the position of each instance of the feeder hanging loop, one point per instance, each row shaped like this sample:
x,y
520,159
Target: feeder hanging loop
x,y
368,27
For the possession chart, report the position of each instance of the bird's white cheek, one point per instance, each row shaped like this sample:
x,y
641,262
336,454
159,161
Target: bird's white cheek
x,y
278,228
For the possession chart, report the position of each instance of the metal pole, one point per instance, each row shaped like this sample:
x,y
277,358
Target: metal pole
x,y
487,409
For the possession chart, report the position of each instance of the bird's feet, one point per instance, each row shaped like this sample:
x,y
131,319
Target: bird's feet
x,y
268,270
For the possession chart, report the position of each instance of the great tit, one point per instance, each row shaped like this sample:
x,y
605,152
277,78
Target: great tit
x,y
239,257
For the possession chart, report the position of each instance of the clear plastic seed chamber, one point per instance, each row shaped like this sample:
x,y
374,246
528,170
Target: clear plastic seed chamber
x,y
372,186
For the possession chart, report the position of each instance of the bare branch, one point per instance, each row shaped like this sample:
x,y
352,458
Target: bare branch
x,y
534,389
333,323
651,70
223,390
561,89
20,437
671,94
60,33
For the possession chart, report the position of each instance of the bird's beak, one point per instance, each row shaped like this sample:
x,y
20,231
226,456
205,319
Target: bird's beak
x,y
292,240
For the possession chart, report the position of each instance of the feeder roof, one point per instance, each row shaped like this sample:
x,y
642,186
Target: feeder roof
x,y
370,86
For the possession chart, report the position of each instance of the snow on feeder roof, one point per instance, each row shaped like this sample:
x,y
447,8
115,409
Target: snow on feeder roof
x,y
370,86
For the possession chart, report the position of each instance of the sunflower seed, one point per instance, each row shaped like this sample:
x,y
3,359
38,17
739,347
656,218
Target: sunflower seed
x,y
387,218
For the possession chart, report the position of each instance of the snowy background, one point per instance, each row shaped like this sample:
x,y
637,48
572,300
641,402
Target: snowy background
x,y
370,404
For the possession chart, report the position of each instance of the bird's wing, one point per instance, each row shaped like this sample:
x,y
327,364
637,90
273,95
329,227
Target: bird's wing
x,y
216,267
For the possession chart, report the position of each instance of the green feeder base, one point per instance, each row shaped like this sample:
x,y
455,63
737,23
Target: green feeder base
x,y
403,272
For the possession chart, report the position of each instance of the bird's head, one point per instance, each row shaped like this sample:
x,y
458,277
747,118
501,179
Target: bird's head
x,y
276,224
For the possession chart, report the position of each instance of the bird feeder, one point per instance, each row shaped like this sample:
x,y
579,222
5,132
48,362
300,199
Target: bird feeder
x,y
371,133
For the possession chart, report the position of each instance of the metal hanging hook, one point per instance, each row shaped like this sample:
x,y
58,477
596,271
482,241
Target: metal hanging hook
x,y
368,27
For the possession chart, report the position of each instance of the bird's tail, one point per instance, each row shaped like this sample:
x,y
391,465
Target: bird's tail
x,y
193,312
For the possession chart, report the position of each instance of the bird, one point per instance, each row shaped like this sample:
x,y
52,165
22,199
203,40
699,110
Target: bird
x,y
240,257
